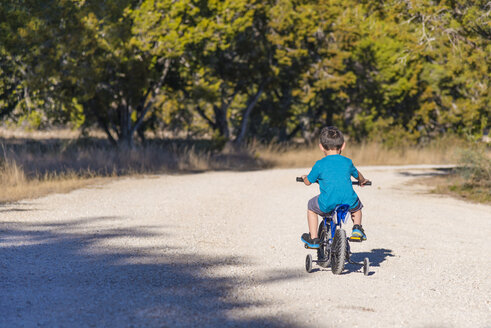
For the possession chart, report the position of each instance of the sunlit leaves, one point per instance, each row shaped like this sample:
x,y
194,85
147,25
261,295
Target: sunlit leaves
x,y
379,69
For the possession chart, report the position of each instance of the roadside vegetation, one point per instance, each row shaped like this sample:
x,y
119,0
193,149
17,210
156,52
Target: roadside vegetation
x,y
36,163
471,179
34,166
440,151
15,185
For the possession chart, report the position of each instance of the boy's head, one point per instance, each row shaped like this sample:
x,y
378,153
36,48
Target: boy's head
x,y
331,138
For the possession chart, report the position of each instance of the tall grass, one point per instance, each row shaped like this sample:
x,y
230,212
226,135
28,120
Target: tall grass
x,y
15,185
33,166
111,161
30,168
438,152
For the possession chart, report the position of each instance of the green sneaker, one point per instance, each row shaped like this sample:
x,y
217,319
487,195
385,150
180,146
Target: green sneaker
x,y
358,233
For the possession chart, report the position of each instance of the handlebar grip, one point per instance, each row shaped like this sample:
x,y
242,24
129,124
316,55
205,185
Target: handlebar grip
x,y
299,179
357,183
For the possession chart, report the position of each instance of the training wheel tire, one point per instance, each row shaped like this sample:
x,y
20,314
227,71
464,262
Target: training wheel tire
x,y
308,263
366,266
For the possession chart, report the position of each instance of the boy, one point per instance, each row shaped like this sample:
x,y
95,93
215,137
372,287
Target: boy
x,y
333,173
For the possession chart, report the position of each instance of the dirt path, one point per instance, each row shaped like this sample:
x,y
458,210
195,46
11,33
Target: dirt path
x,y
223,249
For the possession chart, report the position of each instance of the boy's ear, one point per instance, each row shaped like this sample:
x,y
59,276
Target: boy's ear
x,y
342,147
321,147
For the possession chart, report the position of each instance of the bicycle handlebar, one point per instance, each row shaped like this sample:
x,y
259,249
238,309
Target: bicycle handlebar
x,y
355,183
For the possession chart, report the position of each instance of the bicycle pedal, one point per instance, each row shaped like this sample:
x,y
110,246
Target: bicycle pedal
x,y
356,239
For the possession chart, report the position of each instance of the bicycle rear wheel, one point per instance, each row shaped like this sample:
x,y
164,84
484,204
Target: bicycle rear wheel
x,y
338,254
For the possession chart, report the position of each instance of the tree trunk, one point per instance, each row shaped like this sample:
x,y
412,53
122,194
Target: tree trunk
x,y
245,116
125,129
221,121
148,101
90,107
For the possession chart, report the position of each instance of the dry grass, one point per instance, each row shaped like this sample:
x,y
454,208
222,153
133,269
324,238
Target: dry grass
x,y
35,164
31,168
456,186
16,186
38,188
107,161
441,152
470,180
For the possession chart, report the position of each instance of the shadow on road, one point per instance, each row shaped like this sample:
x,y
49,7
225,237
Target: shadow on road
x,y
13,207
435,172
376,257
58,274
7,210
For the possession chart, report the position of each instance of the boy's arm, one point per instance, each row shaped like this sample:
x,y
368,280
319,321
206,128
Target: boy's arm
x,y
361,178
313,175
306,181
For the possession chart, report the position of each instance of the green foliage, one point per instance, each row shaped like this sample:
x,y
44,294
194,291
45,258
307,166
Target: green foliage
x,y
400,72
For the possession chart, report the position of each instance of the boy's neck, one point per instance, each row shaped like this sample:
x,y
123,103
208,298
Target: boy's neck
x,y
332,152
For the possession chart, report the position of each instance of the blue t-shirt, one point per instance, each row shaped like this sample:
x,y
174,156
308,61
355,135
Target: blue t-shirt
x,y
333,173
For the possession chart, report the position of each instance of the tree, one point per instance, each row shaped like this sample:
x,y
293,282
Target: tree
x,y
96,63
16,96
271,70
230,69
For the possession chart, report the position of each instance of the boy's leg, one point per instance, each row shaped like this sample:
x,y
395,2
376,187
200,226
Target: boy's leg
x,y
358,232
311,237
313,223
356,217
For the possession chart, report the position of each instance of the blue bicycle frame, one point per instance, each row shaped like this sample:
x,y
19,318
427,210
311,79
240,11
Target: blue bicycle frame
x,y
337,217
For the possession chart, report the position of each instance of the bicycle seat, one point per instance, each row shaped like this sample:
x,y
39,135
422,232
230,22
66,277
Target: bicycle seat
x,y
340,213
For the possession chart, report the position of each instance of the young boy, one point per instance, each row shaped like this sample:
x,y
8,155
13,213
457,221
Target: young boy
x,y
333,173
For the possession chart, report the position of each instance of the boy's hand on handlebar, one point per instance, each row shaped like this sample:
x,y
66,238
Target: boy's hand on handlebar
x,y
304,179
363,182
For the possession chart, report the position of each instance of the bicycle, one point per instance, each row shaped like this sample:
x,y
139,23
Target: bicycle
x,y
334,247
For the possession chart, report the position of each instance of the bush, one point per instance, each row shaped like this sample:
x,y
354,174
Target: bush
x,y
473,176
475,166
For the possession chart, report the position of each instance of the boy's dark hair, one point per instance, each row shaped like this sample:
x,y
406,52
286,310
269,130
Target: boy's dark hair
x,y
331,138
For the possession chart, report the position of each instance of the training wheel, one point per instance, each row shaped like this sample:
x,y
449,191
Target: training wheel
x,y
308,263
366,266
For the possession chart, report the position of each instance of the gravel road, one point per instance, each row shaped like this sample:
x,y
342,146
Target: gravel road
x,y
223,249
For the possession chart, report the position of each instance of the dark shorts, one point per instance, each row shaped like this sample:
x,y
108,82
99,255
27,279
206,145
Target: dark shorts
x,y
314,206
